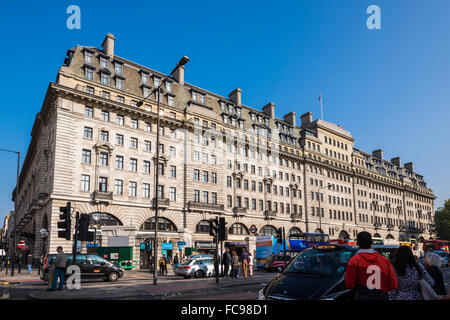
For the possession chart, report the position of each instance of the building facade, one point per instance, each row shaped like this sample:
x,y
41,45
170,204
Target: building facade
x,y
94,147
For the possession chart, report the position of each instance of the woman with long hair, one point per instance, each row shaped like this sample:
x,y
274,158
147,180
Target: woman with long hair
x,y
432,262
234,264
408,272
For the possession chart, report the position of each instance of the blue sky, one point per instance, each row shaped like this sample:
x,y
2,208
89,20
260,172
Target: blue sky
x,y
388,87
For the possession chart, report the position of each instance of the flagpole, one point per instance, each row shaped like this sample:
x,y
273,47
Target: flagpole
x,y
321,106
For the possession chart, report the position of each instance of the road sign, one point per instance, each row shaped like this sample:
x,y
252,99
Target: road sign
x,y
253,229
21,244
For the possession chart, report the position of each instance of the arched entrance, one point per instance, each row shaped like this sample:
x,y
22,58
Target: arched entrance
x,y
318,231
268,230
164,225
96,222
295,233
238,229
344,235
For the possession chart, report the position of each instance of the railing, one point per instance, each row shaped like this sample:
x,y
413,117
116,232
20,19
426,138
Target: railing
x,y
239,210
295,216
162,202
99,195
270,213
205,206
377,225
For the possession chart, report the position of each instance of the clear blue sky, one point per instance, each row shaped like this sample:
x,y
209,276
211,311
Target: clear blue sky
x,y
388,87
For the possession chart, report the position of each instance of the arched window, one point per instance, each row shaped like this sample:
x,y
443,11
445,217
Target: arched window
x,y
238,228
376,235
295,233
389,237
268,230
202,227
318,231
164,225
99,219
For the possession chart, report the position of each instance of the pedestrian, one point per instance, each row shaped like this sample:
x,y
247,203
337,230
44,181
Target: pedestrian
x,y
166,262
234,264
408,272
161,265
59,269
30,262
244,261
175,263
226,260
250,264
432,262
359,275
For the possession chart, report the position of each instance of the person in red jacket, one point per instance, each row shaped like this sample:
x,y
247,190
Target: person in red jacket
x,y
368,273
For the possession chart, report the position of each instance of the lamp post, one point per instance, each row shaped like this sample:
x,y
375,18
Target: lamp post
x,y
15,209
320,213
181,63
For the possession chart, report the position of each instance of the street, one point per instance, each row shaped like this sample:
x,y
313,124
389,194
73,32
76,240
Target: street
x,y
138,285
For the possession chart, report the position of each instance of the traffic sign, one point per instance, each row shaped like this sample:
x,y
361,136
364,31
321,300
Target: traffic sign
x,y
253,229
21,244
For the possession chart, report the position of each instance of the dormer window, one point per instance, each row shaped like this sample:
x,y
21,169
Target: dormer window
x,y
88,57
230,109
168,87
241,125
222,106
144,78
156,81
118,68
103,63
119,83
194,95
267,122
233,122
252,116
238,112
89,73
259,119
145,91
104,79
202,98
225,119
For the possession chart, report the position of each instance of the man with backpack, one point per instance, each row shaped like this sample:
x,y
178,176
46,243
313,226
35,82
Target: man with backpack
x,y
368,273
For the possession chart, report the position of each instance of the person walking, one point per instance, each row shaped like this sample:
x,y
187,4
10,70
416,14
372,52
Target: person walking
x,y
30,262
368,273
234,264
408,272
250,264
244,262
161,263
59,269
226,261
176,263
166,262
432,262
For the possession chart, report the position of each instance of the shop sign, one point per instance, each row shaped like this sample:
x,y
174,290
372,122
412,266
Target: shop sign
x,y
167,246
205,245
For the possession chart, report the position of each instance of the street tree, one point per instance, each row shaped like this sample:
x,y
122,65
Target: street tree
x,y
441,226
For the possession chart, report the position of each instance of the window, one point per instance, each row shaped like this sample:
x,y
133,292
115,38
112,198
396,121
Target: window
x,y
119,84
105,115
86,157
144,77
104,78
214,177
196,175
85,182
104,136
196,195
120,120
173,171
103,184
146,190
89,112
156,81
103,159
170,101
145,92
205,196
89,73
118,68
119,162
87,133
172,151
147,167
134,123
133,188
105,95
88,57
133,164
148,127
214,197
133,143
173,194
168,86
161,169
118,187
205,176
119,139
120,99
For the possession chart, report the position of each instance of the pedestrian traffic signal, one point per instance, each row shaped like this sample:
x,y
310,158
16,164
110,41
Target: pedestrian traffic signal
x,y
66,223
213,227
83,229
279,235
147,244
222,230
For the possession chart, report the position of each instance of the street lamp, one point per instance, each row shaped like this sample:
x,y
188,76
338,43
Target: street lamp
x,y
320,213
181,63
15,209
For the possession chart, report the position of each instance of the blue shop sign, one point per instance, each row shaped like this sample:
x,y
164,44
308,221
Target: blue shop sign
x,y
181,243
167,246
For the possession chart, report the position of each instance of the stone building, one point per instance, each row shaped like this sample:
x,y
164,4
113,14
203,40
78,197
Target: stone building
x,y
94,147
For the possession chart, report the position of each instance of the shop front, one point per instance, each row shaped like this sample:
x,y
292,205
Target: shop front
x,y
205,247
237,246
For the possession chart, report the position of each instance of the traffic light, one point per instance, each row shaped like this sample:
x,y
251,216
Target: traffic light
x,y
222,230
279,235
66,223
213,227
147,244
83,229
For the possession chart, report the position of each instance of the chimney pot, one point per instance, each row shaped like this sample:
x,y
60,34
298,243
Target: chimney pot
x,y
306,119
179,75
269,109
235,96
290,118
378,154
108,44
396,161
409,166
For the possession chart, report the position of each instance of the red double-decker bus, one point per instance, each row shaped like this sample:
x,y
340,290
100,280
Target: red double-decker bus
x,y
436,245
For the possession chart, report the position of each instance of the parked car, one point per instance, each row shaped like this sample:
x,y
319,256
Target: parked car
x,y
198,267
276,262
91,267
314,274
387,251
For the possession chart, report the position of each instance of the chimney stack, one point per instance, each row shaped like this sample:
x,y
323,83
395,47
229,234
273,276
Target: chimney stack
x,y
290,118
396,161
409,166
269,109
306,119
179,75
235,96
108,45
378,154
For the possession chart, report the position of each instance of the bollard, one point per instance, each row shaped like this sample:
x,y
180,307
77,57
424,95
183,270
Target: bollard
x,y
50,278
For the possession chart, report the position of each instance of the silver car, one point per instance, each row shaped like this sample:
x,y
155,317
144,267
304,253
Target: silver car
x,y
198,268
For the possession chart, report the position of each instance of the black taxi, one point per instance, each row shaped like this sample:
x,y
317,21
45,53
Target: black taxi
x,y
316,273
